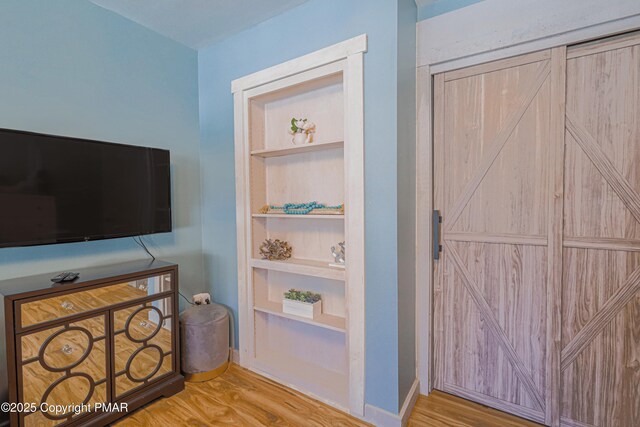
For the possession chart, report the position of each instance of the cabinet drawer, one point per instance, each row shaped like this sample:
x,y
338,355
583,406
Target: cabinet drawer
x,y
69,304
63,366
144,347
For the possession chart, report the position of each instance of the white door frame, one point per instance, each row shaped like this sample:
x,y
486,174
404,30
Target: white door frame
x,y
493,29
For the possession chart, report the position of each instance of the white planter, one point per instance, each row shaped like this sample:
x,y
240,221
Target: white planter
x,y
300,138
302,309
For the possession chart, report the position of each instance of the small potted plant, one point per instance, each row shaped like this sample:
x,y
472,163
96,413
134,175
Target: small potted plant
x,y
302,303
302,131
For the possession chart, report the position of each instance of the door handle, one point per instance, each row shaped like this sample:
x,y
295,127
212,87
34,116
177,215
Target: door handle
x,y
437,247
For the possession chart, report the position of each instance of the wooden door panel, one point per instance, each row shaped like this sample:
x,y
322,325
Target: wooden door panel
x,y
595,176
536,296
603,372
492,174
603,112
611,219
501,200
597,278
600,360
494,123
498,287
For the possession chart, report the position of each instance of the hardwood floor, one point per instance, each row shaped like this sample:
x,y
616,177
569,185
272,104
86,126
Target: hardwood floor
x,y
242,398
441,409
238,398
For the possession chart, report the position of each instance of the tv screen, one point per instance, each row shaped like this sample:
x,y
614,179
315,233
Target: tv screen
x,y
56,189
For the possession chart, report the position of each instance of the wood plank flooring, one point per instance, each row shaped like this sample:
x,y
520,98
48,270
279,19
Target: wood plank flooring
x,y
444,410
242,398
238,398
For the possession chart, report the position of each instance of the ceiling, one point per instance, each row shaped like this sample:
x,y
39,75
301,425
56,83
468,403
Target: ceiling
x,y
198,23
421,3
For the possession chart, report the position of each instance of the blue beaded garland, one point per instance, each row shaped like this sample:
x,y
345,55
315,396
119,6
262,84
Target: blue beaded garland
x,y
302,208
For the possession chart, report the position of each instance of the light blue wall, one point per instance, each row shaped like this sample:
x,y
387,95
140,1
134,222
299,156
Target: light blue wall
x,y
406,196
71,68
439,7
68,67
311,26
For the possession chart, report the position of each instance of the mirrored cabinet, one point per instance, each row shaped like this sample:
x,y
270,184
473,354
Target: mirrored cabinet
x,y
143,343
108,337
62,365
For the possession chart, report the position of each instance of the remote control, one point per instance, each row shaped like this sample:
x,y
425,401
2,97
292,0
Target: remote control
x,y
66,276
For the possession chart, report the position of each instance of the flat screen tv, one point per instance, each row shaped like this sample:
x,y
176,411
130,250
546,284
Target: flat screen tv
x,y
57,189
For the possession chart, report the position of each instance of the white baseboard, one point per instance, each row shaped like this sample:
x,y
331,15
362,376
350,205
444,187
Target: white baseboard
x,y
410,402
382,418
235,356
372,414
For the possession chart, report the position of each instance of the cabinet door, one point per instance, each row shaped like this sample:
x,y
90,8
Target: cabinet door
x,y
63,367
144,344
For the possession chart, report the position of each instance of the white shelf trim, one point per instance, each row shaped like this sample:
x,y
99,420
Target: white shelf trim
x,y
327,321
287,151
341,64
318,58
301,266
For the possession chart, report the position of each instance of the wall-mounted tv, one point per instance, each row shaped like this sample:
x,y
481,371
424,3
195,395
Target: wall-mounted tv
x,y
57,189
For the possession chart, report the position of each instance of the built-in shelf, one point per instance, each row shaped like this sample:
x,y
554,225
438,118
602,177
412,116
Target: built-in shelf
x,y
323,357
302,266
276,152
328,321
308,216
328,386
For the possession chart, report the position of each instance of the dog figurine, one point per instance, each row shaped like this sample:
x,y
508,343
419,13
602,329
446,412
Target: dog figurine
x,y
339,254
203,298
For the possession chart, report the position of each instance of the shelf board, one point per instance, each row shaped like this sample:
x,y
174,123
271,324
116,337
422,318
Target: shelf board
x,y
277,152
328,321
308,216
302,266
327,386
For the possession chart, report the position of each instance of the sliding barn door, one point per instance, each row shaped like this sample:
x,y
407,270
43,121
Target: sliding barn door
x,y
601,278
537,289
496,184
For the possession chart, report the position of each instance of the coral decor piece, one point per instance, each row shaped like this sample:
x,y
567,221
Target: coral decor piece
x,y
275,250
